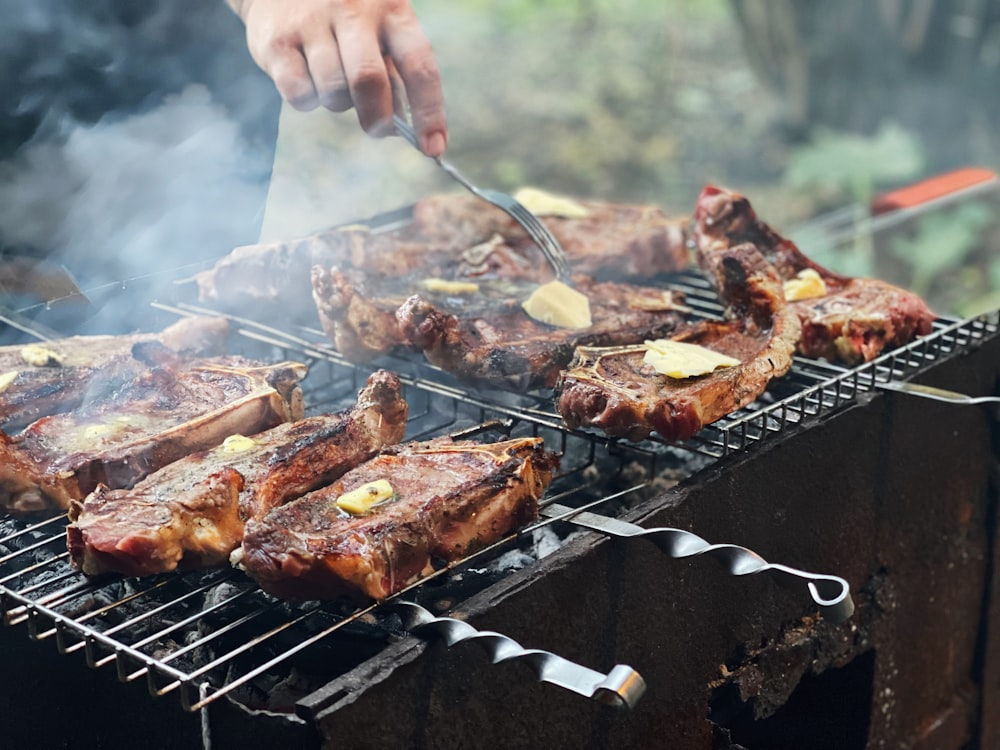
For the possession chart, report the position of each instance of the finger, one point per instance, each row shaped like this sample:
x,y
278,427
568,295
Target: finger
x,y
399,102
367,77
323,59
290,74
414,59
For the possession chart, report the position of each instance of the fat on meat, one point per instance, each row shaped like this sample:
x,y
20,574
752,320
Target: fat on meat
x,y
450,498
191,513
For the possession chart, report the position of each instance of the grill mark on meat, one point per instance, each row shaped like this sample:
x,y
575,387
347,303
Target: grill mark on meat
x,y
156,418
191,513
451,497
612,389
857,319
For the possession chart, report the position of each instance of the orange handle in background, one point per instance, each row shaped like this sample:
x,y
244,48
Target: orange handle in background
x,y
931,189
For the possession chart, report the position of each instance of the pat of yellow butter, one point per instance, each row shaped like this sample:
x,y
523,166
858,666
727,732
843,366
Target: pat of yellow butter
x,y
435,284
100,430
542,203
39,356
676,359
237,444
558,305
360,500
807,285
6,379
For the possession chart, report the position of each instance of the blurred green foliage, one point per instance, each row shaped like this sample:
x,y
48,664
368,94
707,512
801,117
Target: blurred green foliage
x,y
838,166
648,101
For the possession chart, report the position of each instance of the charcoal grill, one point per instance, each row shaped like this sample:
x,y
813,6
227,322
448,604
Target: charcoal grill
x,y
212,635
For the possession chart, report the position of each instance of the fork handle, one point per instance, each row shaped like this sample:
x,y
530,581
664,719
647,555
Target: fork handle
x,y
409,134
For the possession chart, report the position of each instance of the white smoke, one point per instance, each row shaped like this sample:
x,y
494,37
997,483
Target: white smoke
x,y
127,196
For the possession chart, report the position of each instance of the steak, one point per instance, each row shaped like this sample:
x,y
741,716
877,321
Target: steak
x,y
191,512
159,416
483,335
58,376
454,235
613,389
613,241
359,317
854,321
450,498
489,337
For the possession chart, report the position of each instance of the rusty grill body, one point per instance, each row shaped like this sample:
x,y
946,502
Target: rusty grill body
x,y
810,475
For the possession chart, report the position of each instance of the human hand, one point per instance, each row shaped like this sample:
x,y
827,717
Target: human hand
x,y
365,54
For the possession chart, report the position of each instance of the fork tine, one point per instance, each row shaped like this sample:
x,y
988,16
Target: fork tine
x,y
536,230
543,238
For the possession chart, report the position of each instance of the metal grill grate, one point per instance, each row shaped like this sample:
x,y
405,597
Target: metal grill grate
x,y
208,634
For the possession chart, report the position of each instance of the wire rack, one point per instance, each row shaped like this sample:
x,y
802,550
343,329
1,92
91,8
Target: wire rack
x,y
205,635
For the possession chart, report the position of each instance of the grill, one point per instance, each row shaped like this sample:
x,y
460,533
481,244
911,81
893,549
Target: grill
x,y
202,636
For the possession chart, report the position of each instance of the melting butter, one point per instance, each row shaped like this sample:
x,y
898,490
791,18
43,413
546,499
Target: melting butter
x,y
434,284
39,356
6,379
676,359
102,429
360,500
558,305
113,428
808,284
237,444
542,203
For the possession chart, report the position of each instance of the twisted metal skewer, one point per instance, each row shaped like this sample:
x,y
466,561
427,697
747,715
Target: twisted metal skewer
x,y
831,593
622,687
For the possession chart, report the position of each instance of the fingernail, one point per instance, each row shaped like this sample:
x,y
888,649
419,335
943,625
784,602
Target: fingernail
x,y
434,143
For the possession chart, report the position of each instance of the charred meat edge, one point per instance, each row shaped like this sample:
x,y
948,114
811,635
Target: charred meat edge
x,y
614,390
191,513
80,367
451,498
855,321
33,479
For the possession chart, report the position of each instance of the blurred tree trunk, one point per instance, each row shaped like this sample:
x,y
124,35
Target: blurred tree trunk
x,y
852,64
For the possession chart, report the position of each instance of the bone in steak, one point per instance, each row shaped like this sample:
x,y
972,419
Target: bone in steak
x,y
162,414
57,376
614,390
855,321
613,241
191,512
455,234
358,307
491,338
451,497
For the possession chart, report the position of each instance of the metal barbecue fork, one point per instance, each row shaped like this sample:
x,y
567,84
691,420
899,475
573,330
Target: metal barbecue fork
x,y
944,396
537,231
